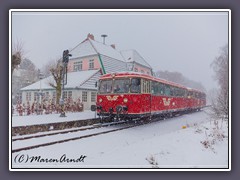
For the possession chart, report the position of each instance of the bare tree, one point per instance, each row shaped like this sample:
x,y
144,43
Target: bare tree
x,y
25,75
56,70
17,55
45,70
220,67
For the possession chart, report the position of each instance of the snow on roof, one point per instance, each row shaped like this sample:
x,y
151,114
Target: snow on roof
x,y
107,50
133,56
91,47
74,79
83,49
90,83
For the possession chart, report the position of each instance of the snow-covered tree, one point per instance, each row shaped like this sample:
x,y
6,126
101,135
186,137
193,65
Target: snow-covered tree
x,y
24,75
180,79
17,55
220,67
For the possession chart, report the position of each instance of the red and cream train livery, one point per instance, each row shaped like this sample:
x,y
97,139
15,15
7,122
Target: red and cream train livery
x,y
136,95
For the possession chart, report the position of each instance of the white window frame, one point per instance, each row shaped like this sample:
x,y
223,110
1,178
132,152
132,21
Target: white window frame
x,y
93,96
78,66
28,96
84,96
91,64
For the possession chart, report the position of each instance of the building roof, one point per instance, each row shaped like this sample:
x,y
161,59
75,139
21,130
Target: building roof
x,y
112,59
133,56
91,47
112,65
79,79
107,50
83,49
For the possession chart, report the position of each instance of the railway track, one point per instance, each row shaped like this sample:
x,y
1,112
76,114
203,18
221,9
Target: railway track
x,y
70,139
67,131
75,138
155,119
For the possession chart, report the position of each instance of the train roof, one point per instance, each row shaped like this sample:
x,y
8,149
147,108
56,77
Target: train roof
x,y
138,74
196,90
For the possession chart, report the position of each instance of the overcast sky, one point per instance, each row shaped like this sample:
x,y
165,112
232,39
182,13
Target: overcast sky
x,y
186,42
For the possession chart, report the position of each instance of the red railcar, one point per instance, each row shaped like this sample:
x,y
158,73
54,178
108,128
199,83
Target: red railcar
x,y
136,95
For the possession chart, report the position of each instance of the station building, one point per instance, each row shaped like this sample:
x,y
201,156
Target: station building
x,y
90,59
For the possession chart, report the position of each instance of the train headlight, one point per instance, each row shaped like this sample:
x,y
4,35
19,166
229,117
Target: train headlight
x,y
125,100
100,100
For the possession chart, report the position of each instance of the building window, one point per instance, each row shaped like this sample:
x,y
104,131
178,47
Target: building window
x,y
28,96
77,66
70,94
35,96
147,72
91,64
136,69
93,96
19,97
47,96
42,95
54,97
142,71
67,94
84,96
64,94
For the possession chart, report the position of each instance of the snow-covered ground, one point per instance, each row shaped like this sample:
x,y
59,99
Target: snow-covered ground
x,y
50,118
163,144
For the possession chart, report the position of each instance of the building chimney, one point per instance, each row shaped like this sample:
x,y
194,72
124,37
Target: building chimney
x,y
103,36
90,36
113,46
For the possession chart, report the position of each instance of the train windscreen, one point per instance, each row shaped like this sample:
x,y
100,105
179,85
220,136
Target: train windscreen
x,y
135,85
105,86
121,86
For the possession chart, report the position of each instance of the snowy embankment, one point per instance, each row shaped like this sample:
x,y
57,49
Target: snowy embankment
x,y
50,118
163,144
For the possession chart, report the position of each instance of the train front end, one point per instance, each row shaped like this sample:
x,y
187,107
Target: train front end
x,y
118,97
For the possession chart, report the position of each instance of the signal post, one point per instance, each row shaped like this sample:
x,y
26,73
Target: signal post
x,y
65,60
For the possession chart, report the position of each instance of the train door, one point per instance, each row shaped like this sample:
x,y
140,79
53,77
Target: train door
x,y
146,96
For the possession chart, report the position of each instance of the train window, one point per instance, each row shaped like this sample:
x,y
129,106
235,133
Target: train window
x,y
135,85
121,86
195,95
105,86
161,88
167,90
177,91
204,96
171,91
174,91
190,94
154,88
185,93
180,92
